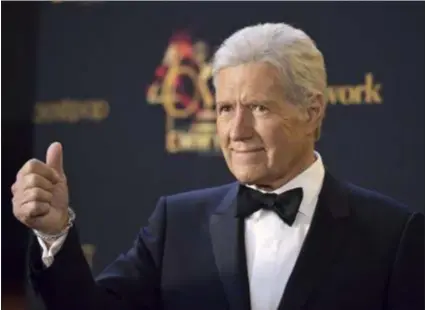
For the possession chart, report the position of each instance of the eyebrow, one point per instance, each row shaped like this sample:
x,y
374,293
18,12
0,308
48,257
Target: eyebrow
x,y
260,102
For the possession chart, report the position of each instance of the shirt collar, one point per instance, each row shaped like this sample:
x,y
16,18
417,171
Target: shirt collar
x,y
311,181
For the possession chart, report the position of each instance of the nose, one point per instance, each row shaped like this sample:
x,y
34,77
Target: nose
x,y
241,125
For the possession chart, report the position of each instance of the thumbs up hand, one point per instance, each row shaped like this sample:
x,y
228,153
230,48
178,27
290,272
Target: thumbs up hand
x,y
40,193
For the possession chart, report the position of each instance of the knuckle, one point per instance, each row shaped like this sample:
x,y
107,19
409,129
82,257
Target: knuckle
x,y
31,180
33,209
37,209
32,164
30,205
16,203
33,161
23,213
33,194
29,164
17,187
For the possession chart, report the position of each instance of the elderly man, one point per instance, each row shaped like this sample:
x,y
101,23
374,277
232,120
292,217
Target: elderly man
x,y
286,235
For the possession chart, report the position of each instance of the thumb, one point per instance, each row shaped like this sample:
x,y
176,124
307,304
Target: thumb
x,y
54,157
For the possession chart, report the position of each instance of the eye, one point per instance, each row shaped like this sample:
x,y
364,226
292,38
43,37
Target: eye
x,y
259,108
224,108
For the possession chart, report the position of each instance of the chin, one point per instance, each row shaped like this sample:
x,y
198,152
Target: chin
x,y
252,175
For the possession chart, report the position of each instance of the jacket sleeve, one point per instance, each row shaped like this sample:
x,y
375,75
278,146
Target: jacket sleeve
x,y
132,281
406,287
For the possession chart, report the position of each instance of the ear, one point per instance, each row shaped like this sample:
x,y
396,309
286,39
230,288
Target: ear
x,y
315,112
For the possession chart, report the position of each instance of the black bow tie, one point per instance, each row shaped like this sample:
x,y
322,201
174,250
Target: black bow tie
x,y
286,205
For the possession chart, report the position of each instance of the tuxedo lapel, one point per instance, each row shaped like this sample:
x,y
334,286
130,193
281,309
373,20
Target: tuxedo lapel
x,y
322,244
227,237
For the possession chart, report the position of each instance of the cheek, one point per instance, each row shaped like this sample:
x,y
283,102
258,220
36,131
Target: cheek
x,y
288,125
222,131
274,135
290,129
279,140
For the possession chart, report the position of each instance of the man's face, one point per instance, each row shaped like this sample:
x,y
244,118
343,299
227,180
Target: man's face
x,y
262,136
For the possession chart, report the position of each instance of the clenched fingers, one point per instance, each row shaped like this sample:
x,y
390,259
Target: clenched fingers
x,y
35,166
33,209
34,194
30,181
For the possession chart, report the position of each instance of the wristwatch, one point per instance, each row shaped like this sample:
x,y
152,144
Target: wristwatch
x,y
51,238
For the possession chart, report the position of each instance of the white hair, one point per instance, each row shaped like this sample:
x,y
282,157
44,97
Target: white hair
x,y
290,50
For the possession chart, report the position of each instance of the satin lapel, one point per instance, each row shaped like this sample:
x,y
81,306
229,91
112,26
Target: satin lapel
x,y
227,237
321,246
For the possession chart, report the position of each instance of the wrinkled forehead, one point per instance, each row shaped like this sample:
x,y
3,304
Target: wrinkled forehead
x,y
259,81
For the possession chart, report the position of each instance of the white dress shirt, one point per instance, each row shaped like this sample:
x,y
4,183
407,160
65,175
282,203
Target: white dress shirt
x,y
48,254
272,247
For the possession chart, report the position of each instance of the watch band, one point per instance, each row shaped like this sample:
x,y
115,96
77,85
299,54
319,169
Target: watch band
x,y
51,238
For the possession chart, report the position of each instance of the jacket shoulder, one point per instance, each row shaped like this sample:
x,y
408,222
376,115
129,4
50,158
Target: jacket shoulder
x,y
200,198
376,206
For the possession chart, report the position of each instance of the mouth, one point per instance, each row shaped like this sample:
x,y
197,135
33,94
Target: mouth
x,y
248,151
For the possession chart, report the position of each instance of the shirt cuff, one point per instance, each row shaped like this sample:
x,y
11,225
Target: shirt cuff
x,y
48,254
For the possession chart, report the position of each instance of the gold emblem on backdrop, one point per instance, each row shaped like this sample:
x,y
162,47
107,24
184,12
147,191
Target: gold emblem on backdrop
x,y
71,111
182,85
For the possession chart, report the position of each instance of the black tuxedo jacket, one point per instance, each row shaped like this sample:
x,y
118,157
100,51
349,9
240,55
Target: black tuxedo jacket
x,y
363,252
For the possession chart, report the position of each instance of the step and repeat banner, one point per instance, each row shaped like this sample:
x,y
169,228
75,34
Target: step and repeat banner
x,y
126,87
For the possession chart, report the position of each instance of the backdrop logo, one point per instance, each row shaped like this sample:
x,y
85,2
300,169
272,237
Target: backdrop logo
x,y
71,111
183,86
367,93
